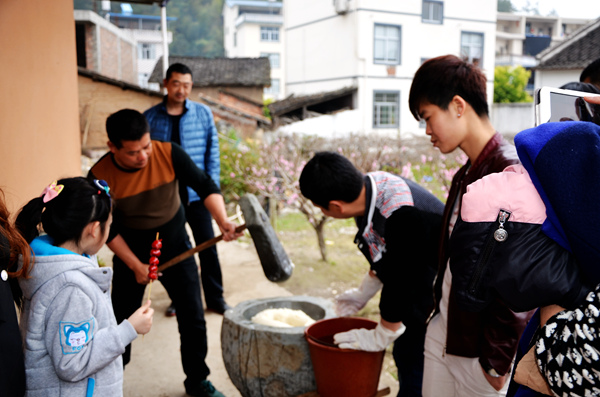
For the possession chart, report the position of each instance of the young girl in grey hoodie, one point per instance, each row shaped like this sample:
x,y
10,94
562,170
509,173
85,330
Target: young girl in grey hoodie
x,y
73,344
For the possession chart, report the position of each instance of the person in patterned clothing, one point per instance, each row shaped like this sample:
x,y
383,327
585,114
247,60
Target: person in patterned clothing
x,y
399,223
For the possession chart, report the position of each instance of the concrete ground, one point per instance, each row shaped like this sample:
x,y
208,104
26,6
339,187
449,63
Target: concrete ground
x,y
155,368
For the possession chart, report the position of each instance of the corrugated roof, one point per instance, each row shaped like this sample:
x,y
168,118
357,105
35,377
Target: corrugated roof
x,y
210,72
574,53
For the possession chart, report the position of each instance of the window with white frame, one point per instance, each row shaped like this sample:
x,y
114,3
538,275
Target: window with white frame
x,y
146,51
269,33
387,44
433,12
273,89
385,109
273,58
471,48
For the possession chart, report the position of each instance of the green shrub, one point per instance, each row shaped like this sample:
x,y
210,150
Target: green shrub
x,y
510,83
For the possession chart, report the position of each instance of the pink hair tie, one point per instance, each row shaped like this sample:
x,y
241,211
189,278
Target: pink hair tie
x,y
51,191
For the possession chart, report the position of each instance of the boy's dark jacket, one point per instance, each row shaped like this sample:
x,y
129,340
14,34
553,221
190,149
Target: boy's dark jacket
x,y
498,249
551,257
491,335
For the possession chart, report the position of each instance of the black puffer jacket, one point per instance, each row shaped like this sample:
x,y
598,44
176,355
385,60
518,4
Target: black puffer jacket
x,y
498,249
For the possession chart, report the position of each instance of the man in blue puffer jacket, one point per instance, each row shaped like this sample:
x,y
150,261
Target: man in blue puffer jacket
x,y
191,125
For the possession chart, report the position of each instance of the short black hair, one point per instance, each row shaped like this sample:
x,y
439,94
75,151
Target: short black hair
x,y
330,176
579,86
178,68
591,72
126,125
439,79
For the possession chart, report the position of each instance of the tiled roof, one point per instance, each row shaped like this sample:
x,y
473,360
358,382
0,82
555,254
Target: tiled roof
x,y
295,102
574,53
211,72
118,83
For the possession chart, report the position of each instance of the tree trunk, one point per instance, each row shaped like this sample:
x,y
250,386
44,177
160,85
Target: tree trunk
x,y
272,212
319,227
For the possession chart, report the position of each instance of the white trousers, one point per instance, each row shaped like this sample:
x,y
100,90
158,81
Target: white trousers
x,y
446,375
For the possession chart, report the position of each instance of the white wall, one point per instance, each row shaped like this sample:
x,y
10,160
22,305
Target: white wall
x,y
229,15
555,78
320,56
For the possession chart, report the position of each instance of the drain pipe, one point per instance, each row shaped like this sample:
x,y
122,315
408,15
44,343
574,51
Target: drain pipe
x,y
163,27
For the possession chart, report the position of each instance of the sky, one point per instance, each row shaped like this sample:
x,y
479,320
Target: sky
x,y
588,9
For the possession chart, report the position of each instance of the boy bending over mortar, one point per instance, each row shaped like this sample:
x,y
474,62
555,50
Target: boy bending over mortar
x,y
398,229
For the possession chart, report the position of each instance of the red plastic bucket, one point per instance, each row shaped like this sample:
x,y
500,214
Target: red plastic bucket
x,y
342,372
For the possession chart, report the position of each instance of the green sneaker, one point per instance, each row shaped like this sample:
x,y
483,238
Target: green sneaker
x,y
205,389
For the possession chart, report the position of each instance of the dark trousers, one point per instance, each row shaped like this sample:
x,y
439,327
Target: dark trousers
x,y
409,356
200,222
183,286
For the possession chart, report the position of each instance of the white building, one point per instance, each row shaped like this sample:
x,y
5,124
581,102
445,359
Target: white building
x,y
377,45
253,29
519,38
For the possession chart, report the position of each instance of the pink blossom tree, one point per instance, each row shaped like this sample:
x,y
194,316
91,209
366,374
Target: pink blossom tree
x,y
271,169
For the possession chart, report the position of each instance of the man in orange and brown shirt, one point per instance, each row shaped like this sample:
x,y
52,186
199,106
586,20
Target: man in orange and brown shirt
x,y
144,176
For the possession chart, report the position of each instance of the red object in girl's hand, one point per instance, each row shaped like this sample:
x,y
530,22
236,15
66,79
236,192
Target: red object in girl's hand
x,y
154,254
157,244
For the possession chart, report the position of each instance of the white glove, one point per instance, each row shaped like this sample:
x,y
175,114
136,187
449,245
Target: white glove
x,y
370,340
349,302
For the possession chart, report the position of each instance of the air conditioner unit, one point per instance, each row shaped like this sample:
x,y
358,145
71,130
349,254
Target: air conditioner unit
x,y
341,6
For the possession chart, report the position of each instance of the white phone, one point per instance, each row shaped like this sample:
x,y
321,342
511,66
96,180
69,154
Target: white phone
x,y
555,104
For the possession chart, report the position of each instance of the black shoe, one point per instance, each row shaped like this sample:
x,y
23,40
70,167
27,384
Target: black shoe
x,y
206,389
170,310
218,308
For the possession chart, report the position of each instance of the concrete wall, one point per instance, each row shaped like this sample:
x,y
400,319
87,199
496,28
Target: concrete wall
x,y
39,127
97,100
511,118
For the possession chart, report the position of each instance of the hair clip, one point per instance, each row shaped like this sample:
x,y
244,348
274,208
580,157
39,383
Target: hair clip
x,y
101,183
51,191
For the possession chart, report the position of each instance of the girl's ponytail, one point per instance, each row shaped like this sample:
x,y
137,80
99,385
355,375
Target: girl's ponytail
x,y
64,209
29,218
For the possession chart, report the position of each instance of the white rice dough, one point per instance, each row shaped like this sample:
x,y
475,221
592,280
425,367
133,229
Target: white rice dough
x,y
283,318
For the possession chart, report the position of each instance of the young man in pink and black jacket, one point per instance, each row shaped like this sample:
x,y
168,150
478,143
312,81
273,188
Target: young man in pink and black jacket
x,y
466,353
